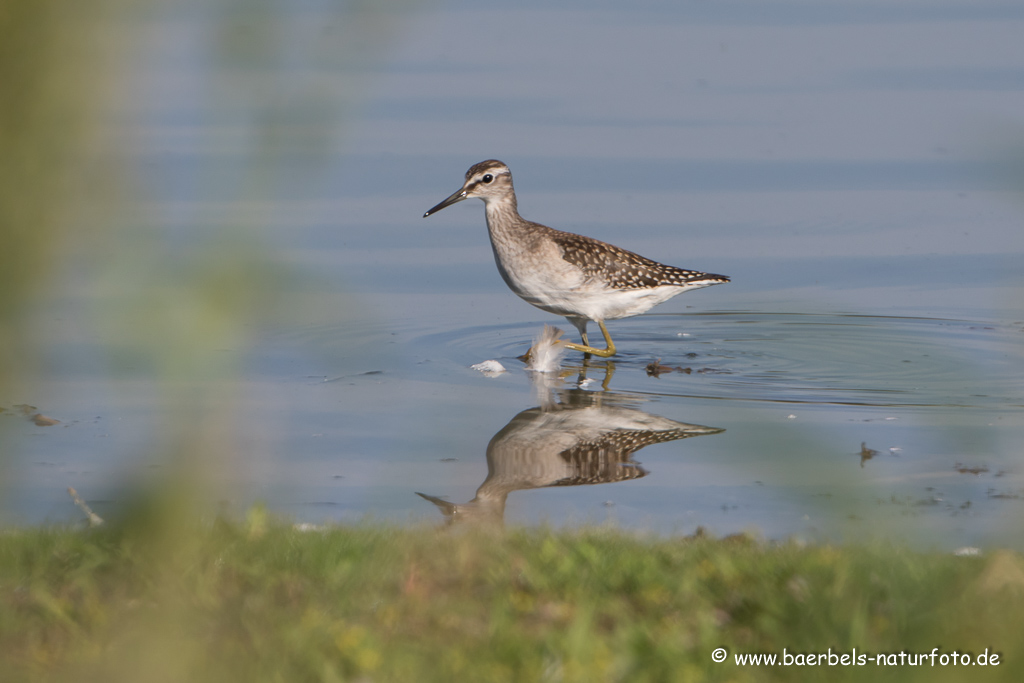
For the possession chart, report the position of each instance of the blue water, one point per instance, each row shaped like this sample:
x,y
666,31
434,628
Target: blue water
x,y
856,170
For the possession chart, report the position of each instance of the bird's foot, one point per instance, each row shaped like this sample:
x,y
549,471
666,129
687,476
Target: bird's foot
x,y
590,350
585,347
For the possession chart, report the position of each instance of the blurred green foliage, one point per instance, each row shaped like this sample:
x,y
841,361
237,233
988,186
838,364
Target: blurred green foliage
x,y
51,75
167,285
74,226
83,229
261,601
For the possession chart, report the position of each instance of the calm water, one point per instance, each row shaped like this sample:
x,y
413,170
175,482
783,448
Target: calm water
x,y
856,170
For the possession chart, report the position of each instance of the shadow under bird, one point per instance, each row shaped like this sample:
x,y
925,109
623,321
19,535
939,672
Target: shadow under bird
x,y
566,274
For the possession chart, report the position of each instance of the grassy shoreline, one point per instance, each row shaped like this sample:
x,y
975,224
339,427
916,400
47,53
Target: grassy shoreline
x,y
262,601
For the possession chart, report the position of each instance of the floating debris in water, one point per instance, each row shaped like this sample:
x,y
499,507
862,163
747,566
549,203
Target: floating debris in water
x,y
490,368
964,469
656,368
866,453
94,519
32,413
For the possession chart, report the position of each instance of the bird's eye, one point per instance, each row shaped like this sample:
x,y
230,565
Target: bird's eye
x,y
487,178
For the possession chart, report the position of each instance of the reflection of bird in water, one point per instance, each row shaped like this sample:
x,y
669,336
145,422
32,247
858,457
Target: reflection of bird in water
x,y
565,445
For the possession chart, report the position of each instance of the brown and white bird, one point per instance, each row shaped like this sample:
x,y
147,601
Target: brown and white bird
x,y
567,274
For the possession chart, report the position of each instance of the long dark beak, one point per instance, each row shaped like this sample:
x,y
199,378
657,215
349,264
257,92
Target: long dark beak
x,y
449,510
454,199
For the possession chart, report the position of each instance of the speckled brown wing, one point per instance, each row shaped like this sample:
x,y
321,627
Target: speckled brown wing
x,y
623,269
608,458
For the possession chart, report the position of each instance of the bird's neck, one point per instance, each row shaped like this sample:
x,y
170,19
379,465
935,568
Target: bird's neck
x,y
502,214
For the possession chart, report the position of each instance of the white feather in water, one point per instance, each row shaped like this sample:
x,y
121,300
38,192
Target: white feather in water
x,y
547,351
490,368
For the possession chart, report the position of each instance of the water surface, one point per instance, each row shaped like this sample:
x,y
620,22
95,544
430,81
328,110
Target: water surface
x,y
852,169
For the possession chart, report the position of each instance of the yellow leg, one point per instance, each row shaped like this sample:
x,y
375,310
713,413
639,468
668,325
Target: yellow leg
x,y
609,370
586,348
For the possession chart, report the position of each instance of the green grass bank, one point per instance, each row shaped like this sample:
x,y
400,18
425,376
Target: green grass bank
x,y
261,601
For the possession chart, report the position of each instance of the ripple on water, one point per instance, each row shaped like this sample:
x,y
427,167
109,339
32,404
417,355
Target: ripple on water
x,y
798,358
